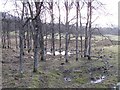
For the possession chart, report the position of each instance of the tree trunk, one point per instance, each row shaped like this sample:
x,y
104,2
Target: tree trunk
x,y
66,36
21,41
81,46
36,49
77,7
86,32
59,31
52,28
90,34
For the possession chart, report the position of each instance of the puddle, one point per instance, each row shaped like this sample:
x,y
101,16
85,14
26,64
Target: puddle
x,y
58,53
98,80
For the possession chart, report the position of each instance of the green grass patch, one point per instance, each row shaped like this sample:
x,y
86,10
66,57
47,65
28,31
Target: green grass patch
x,y
80,80
35,81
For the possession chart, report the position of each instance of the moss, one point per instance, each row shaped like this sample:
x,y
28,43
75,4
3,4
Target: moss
x,y
35,81
81,80
103,86
54,79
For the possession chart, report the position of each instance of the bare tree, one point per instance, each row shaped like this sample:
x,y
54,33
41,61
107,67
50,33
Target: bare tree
x,y
52,27
90,30
66,36
88,49
67,8
86,32
58,5
77,9
21,31
38,33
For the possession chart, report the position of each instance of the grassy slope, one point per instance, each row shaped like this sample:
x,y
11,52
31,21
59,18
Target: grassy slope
x,y
51,73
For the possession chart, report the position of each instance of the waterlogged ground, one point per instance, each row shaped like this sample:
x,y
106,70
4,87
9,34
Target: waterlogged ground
x,y
55,73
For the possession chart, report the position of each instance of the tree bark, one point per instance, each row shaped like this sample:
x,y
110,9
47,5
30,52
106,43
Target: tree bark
x,y
77,7
21,41
66,36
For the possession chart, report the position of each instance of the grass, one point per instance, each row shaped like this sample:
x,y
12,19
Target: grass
x,y
35,82
80,80
52,76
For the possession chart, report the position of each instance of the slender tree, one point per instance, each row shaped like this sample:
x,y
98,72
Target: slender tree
x,y
52,27
67,8
66,35
86,32
77,9
90,32
21,31
59,27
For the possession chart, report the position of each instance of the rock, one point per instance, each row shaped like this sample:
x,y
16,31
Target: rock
x,y
101,57
13,50
16,78
66,71
17,56
62,63
92,78
110,56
